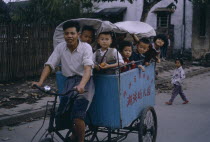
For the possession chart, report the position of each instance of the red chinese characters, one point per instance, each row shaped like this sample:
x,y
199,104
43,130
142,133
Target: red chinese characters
x,y
130,100
133,98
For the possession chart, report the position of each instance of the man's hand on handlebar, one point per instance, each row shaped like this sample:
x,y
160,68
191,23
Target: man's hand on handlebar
x,y
80,88
36,83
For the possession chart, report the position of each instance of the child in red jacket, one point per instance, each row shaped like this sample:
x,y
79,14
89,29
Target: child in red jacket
x,y
126,52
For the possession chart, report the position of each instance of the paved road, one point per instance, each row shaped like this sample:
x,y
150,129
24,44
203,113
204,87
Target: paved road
x,y
176,123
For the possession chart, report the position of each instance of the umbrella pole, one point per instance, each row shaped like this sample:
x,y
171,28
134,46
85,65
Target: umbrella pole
x,y
117,47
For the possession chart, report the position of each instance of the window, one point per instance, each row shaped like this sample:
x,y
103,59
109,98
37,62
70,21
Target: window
x,y
163,20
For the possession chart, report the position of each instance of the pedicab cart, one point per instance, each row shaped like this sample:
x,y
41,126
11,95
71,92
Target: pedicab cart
x,y
123,102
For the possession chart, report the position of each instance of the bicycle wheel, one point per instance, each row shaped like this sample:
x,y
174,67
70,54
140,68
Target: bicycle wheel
x,y
47,140
147,129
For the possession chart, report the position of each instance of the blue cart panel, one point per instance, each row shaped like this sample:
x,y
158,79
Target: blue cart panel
x,y
119,100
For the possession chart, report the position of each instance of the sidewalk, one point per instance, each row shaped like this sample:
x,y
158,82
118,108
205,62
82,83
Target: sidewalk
x,y
28,112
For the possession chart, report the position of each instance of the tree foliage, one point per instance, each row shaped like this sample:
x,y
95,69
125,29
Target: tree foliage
x,y
45,11
4,12
56,10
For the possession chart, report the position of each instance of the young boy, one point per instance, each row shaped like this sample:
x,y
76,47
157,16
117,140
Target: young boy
x,y
176,80
87,34
142,48
154,49
126,51
106,57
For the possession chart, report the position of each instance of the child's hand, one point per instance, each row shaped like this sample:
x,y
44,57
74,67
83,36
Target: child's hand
x,y
104,66
147,63
141,67
133,62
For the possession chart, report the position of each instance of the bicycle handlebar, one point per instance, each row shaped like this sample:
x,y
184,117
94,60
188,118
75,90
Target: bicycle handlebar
x,y
52,93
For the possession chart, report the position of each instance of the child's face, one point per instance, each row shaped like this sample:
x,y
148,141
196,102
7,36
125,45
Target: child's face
x,y
159,42
178,64
104,40
127,51
86,36
142,47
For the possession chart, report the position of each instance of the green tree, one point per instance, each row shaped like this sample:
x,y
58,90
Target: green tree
x,y
55,10
45,11
4,12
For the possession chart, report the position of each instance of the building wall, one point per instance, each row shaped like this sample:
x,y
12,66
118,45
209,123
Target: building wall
x,y
200,45
176,20
133,12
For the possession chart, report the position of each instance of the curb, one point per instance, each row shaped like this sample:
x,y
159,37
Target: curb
x,y
34,114
23,117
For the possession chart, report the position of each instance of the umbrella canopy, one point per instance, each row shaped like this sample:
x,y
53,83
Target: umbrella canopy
x,y
136,27
98,25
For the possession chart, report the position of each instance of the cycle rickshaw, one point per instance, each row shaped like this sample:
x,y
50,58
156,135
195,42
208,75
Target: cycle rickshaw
x,y
123,102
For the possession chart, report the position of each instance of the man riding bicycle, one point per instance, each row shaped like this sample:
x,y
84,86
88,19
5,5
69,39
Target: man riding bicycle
x,y
76,62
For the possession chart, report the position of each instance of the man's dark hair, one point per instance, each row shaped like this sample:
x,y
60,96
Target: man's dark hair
x,y
123,44
88,28
71,24
144,40
180,60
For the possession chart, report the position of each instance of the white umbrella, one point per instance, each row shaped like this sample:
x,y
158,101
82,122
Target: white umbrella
x,y
136,27
98,25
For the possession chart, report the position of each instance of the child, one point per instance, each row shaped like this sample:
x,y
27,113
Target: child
x,y
154,49
106,57
126,51
142,47
87,34
176,80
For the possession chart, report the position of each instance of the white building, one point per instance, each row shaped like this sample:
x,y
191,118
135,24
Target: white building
x,y
167,16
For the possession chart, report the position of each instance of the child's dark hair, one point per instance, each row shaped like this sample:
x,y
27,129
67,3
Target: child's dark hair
x,y
160,36
106,33
180,60
144,40
123,44
71,24
88,28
